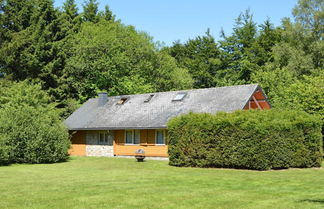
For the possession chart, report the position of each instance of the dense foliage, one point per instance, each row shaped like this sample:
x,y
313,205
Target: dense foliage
x,y
287,61
70,55
31,130
255,139
73,54
111,56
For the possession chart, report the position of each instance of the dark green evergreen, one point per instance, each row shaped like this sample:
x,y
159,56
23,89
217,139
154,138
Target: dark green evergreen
x,y
107,14
90,11
201,56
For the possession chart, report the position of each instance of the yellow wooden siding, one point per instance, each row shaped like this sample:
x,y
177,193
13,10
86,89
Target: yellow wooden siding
x,y
147,143
78,141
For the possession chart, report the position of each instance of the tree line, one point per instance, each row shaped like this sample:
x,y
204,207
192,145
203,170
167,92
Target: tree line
x,y
73,55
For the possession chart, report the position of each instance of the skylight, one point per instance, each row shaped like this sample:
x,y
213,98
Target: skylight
x,y
179,96
149,98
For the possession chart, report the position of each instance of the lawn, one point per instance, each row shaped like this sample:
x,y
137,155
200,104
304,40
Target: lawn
x,y
89,182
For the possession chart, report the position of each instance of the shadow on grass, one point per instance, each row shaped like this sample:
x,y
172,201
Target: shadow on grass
x,y
321,201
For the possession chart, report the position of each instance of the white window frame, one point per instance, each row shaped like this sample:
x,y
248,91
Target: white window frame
x,y
133,136
105,133
164,137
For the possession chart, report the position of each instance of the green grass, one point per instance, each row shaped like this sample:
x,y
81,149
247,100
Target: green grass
x,y
88,182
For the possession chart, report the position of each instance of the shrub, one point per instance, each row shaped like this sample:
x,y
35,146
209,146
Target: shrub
x,y
31,130
261,140
4,151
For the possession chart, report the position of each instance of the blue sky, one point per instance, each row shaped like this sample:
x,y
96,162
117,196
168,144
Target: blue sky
x,y
170,20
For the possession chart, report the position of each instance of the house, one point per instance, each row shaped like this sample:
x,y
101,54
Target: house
x,y
119,125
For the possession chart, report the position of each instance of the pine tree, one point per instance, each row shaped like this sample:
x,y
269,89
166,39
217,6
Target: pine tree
x,y
15,19
70,9
90,11
31,53
15,14
265,41
237,53
70,19
45,31
201,56
108,15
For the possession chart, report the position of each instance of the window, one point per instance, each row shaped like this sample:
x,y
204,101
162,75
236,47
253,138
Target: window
x,y
132,137
137,137
129,137
160,137
179,96
122,100
149,98
105,138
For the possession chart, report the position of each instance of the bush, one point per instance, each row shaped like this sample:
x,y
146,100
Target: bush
x,y
4,151
31,130
261,140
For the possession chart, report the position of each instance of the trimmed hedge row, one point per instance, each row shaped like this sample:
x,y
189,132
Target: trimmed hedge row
x,y
261,140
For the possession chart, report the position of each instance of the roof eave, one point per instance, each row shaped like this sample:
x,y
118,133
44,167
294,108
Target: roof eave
x,y
114,128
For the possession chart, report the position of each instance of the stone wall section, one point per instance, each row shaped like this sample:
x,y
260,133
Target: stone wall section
x,y
93,148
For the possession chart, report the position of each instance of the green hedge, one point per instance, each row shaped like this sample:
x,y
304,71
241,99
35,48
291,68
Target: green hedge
x,y
261,140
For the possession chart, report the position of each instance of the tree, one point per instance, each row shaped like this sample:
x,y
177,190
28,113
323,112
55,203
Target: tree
x,y
238,55
267,38
31,130
90,11
310,13
275,84
296,51
31,52
286,91
201,56
107,14
70,9
308,95
15,16
116,58
166,75
70,19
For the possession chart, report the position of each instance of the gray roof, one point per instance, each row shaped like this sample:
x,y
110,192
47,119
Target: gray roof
x,y
137,114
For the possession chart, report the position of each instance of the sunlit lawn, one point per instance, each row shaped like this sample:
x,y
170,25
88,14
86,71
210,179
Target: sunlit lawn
x,y
88,182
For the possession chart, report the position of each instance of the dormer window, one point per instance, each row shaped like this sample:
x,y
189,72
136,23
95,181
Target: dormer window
x,y
149,98
179,96
122,100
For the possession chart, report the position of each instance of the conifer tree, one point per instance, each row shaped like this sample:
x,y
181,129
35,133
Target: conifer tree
x,y
237,55
108,15
70,19
201,56
70,9
90,11
15,14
